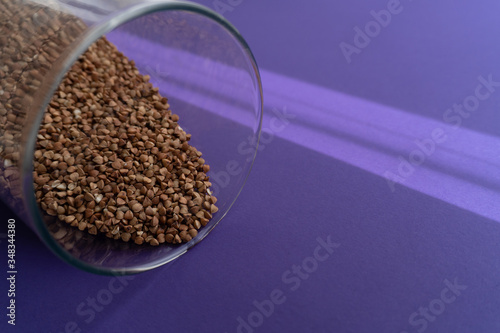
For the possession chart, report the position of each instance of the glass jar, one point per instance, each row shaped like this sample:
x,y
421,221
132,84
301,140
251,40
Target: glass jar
x,y
193,55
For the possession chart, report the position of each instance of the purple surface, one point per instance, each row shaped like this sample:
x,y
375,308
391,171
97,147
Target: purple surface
x,y
323,175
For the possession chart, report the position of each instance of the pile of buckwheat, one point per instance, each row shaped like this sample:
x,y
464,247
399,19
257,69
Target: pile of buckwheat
x,y
111,158
32,39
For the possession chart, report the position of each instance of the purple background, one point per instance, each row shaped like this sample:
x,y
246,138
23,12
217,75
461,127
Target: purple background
x,y
319,177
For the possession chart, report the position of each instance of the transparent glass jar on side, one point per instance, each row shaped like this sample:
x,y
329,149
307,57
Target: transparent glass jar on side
x,y
195,59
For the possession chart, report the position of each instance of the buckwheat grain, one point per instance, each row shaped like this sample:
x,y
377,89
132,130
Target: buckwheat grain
x,y
111,158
